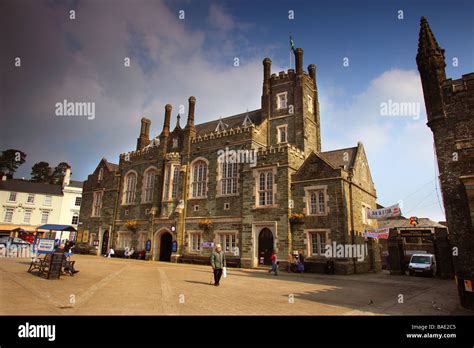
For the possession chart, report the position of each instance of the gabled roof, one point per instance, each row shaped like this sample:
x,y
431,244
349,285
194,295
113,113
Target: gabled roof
x,y
19,185
232,121
110,166
315,166
338,157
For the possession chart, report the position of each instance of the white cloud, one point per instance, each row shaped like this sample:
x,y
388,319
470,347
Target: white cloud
x,y
399,148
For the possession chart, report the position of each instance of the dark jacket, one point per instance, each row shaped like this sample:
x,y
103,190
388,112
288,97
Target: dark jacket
x,y
218,259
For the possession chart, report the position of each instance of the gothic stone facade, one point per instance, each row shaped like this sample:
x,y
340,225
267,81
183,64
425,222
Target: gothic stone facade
x,y
171,187
450,110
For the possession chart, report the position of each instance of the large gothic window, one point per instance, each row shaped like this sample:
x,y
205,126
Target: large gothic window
x,y
171,182
265,188
130,188
148,185
199,179
229,177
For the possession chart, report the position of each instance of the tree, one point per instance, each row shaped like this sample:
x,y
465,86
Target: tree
x,y
10,160
41,172
59,173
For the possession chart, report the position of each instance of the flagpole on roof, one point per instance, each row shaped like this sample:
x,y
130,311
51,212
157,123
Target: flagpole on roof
x,y
290,50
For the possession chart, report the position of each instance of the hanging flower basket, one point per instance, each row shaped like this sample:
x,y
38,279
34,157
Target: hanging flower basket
x,y
296,218
131,225
205,223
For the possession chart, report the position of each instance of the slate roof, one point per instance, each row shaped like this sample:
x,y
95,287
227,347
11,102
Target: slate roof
x,y
336,157
76,183
231,121
111,166
19,185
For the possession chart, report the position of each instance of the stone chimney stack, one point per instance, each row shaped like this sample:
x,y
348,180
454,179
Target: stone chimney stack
x,y
312,71
166,124
67,177
267,71
144,138
299,61
192,104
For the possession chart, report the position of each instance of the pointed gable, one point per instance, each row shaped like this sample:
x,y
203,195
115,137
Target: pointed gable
x,y
221,126
315,167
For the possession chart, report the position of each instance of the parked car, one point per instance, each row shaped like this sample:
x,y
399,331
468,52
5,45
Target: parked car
x,y
422,264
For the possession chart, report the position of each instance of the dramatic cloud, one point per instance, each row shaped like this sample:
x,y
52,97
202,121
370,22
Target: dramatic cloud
x,y
399,147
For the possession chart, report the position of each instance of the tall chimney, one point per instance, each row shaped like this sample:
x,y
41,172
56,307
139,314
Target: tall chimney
x,y
192,103
299,61
267,68
67,177
166,124
143,140
312,71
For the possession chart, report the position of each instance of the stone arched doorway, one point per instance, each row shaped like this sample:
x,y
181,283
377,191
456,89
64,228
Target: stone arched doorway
x,y
163,246
265,246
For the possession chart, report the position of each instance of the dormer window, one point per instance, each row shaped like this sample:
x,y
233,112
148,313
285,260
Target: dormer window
x,y
282,100
221,126
247,121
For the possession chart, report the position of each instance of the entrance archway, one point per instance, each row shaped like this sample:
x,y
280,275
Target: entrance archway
x,y
265,246
166,246
105,242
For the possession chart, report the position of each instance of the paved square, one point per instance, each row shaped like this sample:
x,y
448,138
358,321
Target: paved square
x,y
133,287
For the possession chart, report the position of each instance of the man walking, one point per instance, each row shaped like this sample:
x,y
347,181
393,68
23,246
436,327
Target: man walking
x,y
217,263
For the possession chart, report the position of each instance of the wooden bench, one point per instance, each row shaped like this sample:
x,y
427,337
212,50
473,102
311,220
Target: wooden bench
x,y
68,266
40,264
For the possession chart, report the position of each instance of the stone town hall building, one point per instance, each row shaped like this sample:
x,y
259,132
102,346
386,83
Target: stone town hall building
x,y
174,191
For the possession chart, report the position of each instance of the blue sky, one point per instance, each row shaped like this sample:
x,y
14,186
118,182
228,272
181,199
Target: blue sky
x,y
82,60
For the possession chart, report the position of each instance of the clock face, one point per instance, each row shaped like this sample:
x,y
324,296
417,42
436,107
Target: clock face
x,y
173,228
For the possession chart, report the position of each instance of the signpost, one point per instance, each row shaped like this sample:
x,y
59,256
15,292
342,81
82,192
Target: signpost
x,y
45,246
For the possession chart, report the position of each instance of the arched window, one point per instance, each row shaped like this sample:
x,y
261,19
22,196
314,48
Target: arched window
x,y
130,188
199,179
100,177
148,186
174,191
171,182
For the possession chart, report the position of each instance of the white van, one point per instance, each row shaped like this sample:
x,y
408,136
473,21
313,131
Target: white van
x,y
422,264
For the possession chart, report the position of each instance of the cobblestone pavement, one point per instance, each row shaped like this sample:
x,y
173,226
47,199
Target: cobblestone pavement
x,y
133,287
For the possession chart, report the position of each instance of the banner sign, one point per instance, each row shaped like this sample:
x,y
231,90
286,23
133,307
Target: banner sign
x,y
381,233
416,233
383,213
208,245
45,246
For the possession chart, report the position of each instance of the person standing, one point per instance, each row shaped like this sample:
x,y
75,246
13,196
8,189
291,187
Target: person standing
x,y
218,262
274,263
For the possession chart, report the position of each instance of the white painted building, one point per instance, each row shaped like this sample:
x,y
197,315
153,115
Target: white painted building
x,y
27,205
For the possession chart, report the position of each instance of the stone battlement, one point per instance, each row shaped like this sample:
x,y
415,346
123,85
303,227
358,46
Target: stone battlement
x,y
224,133
290,149
466,83
145,153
